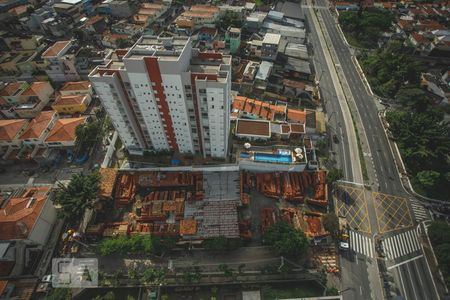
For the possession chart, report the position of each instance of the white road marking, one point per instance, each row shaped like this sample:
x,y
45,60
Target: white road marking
x,y
404,262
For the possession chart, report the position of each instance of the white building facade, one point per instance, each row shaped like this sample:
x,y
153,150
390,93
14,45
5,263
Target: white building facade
x,y
163,95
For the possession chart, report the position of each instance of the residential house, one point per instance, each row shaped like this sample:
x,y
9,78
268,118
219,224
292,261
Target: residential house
x,y
36,18
10,132
253,129
112,40
62,135
269,49
124,27
71,104
122,8
33,138
197,16
87,58
11,92
57,26
61,62
26,221
95,24
74,88
233,39
149,13
34,99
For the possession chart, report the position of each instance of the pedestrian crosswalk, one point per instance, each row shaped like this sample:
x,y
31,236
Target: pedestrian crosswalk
x,y
361,244
401,244
420,213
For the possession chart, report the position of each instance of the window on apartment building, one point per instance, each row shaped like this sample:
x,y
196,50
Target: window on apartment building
x,y
212,106
205,115
202,91
136,86
188,95
187,87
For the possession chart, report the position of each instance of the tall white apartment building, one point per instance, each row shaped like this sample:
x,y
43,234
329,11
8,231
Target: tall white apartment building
x,y
164,95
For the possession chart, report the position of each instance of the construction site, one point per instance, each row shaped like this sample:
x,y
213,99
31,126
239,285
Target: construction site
x,y
197,205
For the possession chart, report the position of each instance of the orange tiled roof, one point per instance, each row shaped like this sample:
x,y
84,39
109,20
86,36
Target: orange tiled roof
x,y
69,100
35,88
107,180
19,215
75,86
188,226
94,19
147,11
262,109
205,8
10,128
419,38
64,130
55,49
140,18
197,14
296,115
10,89
152,6
38,125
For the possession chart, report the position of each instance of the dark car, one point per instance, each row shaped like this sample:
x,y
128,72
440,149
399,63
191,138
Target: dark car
x,y
335,139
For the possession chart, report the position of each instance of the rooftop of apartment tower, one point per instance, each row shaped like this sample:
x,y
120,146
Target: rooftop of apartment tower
x,y
166,48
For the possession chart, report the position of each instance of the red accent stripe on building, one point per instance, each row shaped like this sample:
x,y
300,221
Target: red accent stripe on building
x,y
199,76
153,71
124,91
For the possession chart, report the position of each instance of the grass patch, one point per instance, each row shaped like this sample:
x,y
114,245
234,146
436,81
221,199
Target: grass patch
x,y
301,290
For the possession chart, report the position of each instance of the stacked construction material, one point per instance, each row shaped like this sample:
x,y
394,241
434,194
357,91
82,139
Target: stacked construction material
x,y
326,257
220,218
245,198
320,192
245,229
269,184
268,218
125,190
314,224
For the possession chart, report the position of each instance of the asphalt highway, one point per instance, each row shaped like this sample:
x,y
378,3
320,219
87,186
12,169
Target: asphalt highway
x,y
413,280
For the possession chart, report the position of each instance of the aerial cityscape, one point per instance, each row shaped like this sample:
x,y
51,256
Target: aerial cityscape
x,y
224,150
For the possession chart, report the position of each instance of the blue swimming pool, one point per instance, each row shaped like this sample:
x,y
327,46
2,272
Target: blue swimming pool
x,y
274,158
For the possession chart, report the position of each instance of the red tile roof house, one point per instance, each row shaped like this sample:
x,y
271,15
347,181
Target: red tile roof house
x,y
10,132
27,218
62,135
33,138
34,99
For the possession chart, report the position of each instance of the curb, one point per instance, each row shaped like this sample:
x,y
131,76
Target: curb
x,y
434,258
411,189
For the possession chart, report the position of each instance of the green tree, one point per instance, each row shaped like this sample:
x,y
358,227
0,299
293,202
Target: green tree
x,y
428,179
109,296
59,294
331,223
227,272
439,232
122,43
334,174
413,98
137,244
87,135
79,194
286,241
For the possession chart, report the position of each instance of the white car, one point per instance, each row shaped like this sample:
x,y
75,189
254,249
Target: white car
x,y
344,245
47,278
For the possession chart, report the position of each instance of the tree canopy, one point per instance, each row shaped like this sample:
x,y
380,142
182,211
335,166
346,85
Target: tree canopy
x,y
87,135
390,68
330,223
137,244
366,26
424,141
79,194
230,18
439,233
286,240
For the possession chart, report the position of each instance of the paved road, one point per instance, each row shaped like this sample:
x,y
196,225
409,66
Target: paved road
x,y
383,159
407,274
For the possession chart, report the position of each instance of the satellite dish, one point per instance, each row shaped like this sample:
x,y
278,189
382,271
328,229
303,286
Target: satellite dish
x,y
300,156
298,150
247,145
